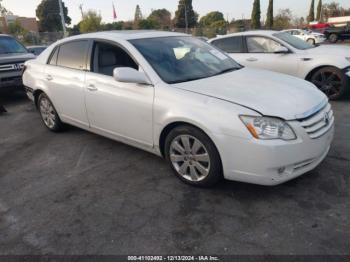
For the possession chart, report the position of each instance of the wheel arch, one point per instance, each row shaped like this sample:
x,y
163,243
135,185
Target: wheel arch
x,y
170,126
314,70
36,95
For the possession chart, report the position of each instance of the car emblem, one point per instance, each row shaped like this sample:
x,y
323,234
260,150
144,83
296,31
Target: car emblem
x,y
18,66
326,118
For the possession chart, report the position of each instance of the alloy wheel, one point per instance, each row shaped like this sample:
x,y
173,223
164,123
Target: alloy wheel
x,y
47,113
328,82
190,158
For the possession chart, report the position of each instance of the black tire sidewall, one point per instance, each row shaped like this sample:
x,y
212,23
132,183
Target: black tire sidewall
x,y
215,172
345,81
58,124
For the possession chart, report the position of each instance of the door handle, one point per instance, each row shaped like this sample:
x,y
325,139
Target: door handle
x,y
49,78
92,87
252,59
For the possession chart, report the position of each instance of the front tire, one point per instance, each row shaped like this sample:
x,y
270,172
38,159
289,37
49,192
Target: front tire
x,y
311,41
193,156
48,114
331,81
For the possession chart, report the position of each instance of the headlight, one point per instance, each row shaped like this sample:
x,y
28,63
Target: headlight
x,y
268,128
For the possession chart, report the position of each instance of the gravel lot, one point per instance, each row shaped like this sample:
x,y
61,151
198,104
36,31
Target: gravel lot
x,y
78,193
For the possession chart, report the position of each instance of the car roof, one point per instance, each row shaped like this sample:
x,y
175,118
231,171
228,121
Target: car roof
x,y
127,34
252,32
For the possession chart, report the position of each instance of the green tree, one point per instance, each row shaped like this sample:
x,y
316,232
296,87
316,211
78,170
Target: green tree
x,y
138,15
184,9
319,11
147,24
311,16
161,17
212,24
283,19
16,29
3,10
211,18
91,22
113,26
48,13
269,16
256,15
333,9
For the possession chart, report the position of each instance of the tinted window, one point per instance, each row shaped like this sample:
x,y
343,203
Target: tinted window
x,y
53,59
230,45
258,44
73,55
107,57
9,45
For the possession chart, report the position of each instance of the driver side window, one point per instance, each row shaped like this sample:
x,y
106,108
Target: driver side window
x,y
258,44
107,57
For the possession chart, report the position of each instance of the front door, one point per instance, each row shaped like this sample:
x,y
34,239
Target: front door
x,y
122,110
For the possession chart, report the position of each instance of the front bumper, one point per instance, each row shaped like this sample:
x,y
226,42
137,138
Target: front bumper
x,y
272,162
11,79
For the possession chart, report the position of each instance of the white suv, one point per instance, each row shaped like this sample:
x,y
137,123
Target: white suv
x,y
180,98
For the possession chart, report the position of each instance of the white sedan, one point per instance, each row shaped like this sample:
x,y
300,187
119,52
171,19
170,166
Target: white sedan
x,y
180,98
308,36
327,66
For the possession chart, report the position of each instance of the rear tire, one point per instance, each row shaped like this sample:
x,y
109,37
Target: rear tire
x,y
49,114
333,38
331,81
193,156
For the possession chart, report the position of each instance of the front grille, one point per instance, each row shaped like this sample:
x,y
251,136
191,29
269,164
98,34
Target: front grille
x,y
12,67
319,123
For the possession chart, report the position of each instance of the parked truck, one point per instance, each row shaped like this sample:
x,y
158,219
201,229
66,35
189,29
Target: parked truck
x,y
333,34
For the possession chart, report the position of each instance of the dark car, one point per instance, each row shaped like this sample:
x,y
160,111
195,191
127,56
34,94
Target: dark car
x,y
333,34
36,49
12,57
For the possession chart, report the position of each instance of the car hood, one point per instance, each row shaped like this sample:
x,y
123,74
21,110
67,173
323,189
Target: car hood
x,y
16,57
269,93
333,50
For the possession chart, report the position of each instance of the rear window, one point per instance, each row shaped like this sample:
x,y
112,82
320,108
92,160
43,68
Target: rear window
x,y
230,44
9,45
73,55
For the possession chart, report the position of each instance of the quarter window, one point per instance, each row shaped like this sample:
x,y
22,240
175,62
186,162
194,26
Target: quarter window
x,y
230,44
53,59
73,55
257,44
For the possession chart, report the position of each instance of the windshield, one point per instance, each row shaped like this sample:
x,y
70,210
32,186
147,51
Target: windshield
x,y
9,45
294,41
182,59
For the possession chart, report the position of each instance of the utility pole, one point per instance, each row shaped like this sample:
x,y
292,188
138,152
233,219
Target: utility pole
x,y
186,18
62,18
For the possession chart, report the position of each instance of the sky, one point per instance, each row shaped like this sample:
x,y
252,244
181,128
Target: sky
x,y
126,8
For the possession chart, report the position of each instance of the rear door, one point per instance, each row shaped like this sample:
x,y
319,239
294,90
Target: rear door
x,y
65,78
234,46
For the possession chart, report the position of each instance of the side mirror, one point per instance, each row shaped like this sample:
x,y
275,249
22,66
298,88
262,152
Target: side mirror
x,y
130,75
281,50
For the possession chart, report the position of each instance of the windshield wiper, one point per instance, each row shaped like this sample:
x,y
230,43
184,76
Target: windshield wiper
x,y
187,79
